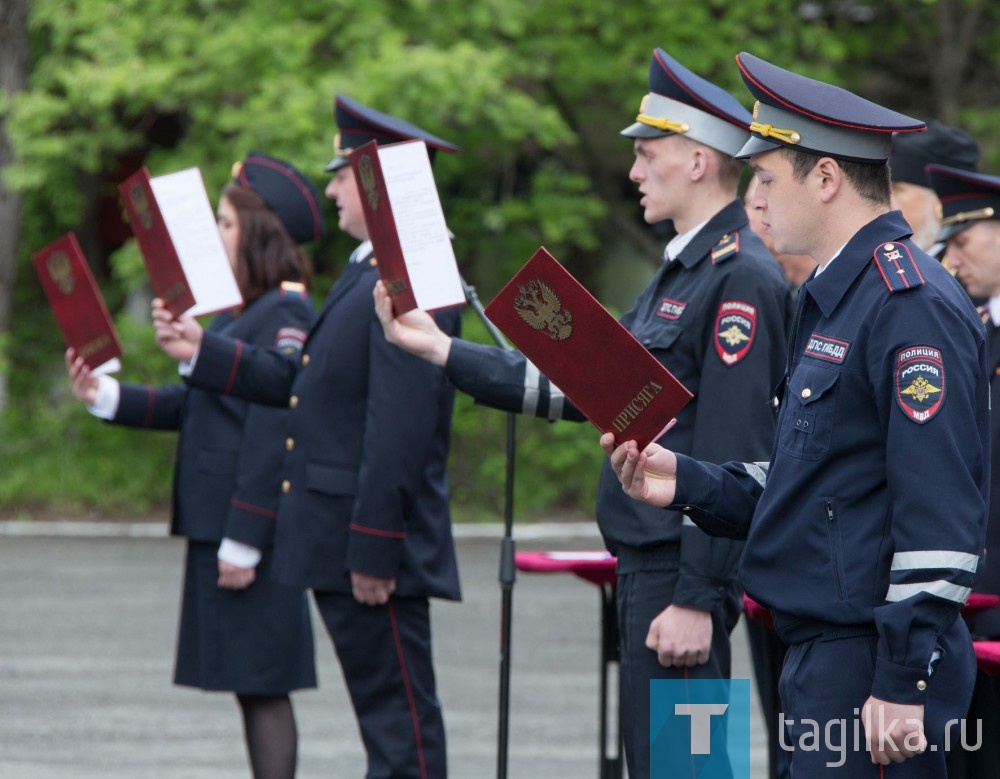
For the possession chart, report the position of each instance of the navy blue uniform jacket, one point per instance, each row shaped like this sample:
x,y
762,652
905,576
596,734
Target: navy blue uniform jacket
x,y
715,317
229,453
987,623
874,508
364,482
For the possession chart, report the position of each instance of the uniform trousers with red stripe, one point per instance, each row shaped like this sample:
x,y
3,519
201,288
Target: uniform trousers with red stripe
x,y
385,653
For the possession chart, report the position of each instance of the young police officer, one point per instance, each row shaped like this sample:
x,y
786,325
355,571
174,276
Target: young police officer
x,y
864,532
714,314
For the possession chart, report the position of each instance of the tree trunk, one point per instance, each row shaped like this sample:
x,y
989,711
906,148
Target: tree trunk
x,y
13,78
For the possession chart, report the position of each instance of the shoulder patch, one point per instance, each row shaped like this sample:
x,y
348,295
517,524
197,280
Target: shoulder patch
x,y
735,328
293,289
897,267
920,388
727,247
290,340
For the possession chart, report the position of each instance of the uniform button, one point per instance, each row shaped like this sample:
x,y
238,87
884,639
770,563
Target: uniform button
x,y
289,444
293,401
305,359
921,685
286,486
807,393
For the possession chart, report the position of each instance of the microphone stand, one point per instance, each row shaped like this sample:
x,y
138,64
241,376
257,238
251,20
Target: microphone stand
x,y
507,569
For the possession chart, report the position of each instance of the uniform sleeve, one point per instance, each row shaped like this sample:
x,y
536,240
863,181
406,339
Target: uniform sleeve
x,y
744,354
254,503
719,499
506,380
407,413
153,408
929,375
234,367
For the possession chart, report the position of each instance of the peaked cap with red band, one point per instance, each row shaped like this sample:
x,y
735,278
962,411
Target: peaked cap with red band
x,y
682,102
358,124
966,198
286,191
815,117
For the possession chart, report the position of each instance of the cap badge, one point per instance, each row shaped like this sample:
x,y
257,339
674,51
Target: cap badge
x,y
542,309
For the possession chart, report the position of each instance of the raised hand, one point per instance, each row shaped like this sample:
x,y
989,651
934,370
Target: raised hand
x,y
83,382
415,331
177,337
649,476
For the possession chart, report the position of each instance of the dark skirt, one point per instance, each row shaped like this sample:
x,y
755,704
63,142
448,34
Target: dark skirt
x,y
256,641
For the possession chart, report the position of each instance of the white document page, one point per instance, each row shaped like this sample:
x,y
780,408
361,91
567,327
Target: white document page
x,y
190,221
111,366
420,224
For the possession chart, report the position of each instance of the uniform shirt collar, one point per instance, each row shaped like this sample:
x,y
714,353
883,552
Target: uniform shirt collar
x,y
362,252
730,219
678,243
994,309
829,288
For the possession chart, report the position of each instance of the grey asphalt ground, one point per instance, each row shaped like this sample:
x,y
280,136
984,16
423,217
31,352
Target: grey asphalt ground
x,y
87,619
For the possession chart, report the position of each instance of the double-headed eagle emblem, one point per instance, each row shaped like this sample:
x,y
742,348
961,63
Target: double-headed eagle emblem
x,y
541,308
920,389
734,336
367,174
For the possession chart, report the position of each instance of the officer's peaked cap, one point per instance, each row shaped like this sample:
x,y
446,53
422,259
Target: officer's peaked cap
x,y
940,145
684,103
966,198
796,112
286,191
358,124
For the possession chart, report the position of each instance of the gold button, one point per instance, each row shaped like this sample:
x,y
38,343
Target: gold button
x,y
807,393
305,359
289,444
286,486
293,401
921,685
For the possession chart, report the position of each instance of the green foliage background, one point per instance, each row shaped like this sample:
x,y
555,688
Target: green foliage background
x,y
534,93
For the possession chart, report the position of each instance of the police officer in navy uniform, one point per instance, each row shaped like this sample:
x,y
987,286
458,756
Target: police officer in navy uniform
x,y
367,529
865,530
970,209
714,314
239,630
939,144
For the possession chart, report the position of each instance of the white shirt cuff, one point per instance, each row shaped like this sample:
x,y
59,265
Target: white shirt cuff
x,y
186,367
109,395
239,554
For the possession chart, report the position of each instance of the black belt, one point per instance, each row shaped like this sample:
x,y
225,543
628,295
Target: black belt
x,y
631,559
795,630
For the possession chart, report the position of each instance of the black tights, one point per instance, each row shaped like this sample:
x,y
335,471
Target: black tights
x,y
269,725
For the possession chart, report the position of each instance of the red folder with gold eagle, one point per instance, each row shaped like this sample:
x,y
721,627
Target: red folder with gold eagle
x,y
166,274
599,365
76,302
406,226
